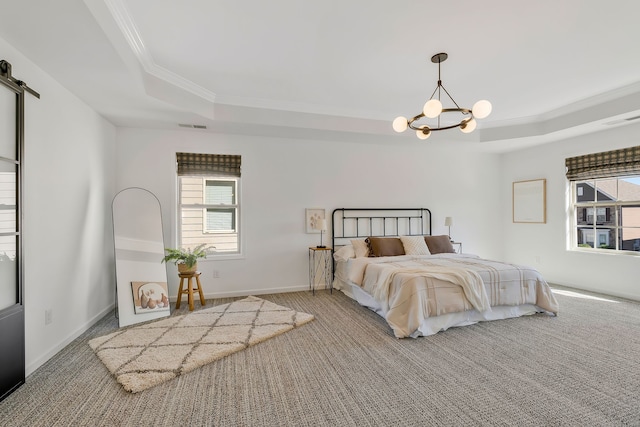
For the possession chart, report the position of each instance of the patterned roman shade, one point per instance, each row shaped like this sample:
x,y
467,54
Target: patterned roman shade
x,y
208,164
603,165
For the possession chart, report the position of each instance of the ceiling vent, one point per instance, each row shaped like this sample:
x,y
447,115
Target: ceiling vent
x,y
187,125
627,120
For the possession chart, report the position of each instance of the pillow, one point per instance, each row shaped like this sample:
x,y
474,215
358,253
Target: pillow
x,y
439,244
360,248
385,246
414,245
344,253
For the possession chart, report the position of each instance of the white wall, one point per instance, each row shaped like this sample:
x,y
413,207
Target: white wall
x,y
547,243
282,177
68,185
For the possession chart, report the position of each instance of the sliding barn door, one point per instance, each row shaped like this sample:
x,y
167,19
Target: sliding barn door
x,y
12,350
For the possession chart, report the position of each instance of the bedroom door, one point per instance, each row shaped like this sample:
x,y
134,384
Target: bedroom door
x,y
12,342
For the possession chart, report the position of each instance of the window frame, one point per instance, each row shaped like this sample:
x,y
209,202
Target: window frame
x,y
238,253
219,206
615,207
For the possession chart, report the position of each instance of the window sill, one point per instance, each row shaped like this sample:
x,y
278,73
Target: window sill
x,y
221,257
605,252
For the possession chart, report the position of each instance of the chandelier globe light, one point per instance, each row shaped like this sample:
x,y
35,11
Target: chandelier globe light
x,y
433,109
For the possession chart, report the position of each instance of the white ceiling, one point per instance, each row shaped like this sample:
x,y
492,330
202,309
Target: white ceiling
x,y
340,68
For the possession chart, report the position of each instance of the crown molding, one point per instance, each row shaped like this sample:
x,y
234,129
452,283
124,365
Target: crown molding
x,y
129,30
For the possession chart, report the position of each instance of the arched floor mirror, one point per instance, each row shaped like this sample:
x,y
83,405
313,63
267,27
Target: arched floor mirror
x,y
141,278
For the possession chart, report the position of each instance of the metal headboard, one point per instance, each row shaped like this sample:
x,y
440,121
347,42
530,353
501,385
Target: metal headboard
x,y
352,223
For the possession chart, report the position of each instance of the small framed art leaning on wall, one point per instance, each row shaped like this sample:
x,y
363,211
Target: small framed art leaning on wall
x,y
312,217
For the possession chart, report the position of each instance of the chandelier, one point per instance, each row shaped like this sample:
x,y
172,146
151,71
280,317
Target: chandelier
x,y
433,109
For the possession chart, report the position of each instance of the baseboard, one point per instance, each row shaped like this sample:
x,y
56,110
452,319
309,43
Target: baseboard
x,y
247,292
623,295
31,368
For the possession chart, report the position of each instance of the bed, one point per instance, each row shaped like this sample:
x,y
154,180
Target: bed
x,y
389,261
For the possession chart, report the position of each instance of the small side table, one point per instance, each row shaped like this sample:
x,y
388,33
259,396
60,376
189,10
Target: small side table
x,y
320,267
459,244
189,290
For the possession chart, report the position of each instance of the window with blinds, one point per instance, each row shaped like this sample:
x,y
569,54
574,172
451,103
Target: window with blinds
x,y
209,201
606,200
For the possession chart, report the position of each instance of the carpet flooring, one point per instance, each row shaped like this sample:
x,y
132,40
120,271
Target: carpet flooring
x,y
345,368
143,356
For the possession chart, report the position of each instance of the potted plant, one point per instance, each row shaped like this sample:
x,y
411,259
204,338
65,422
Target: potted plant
x,y
186,259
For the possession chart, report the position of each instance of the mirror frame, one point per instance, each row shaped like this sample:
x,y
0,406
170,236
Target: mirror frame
x,y
127,272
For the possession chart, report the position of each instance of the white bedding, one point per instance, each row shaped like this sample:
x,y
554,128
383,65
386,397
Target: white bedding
x,y
423,294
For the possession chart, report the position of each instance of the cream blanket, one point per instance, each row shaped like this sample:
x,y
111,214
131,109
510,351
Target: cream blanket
x,y
470,282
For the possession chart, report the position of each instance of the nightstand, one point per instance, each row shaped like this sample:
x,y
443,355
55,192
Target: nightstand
x,y
320,268
459,245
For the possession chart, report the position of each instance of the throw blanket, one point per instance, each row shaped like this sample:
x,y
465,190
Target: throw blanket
x,y
470,282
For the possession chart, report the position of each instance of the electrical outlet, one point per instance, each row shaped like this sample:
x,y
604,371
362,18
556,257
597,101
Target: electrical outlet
x,y
216,274
48,316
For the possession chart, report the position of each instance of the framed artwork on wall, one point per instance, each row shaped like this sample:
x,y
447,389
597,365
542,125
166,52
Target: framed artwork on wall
x,y
530,201
312,216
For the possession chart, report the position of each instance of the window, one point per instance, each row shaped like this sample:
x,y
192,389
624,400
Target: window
x,y
605,206
221,207
606,200
607,214
209,201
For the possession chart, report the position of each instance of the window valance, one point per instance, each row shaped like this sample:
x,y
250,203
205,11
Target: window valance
x,y
604,165
208,164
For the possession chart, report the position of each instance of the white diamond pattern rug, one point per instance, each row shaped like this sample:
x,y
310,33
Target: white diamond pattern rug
x,y
147,355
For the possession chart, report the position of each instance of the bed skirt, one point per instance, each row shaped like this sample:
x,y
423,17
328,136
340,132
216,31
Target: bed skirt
x,y
433,325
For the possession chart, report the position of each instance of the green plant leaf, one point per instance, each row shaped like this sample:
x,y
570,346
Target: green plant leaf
x,y
188,256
